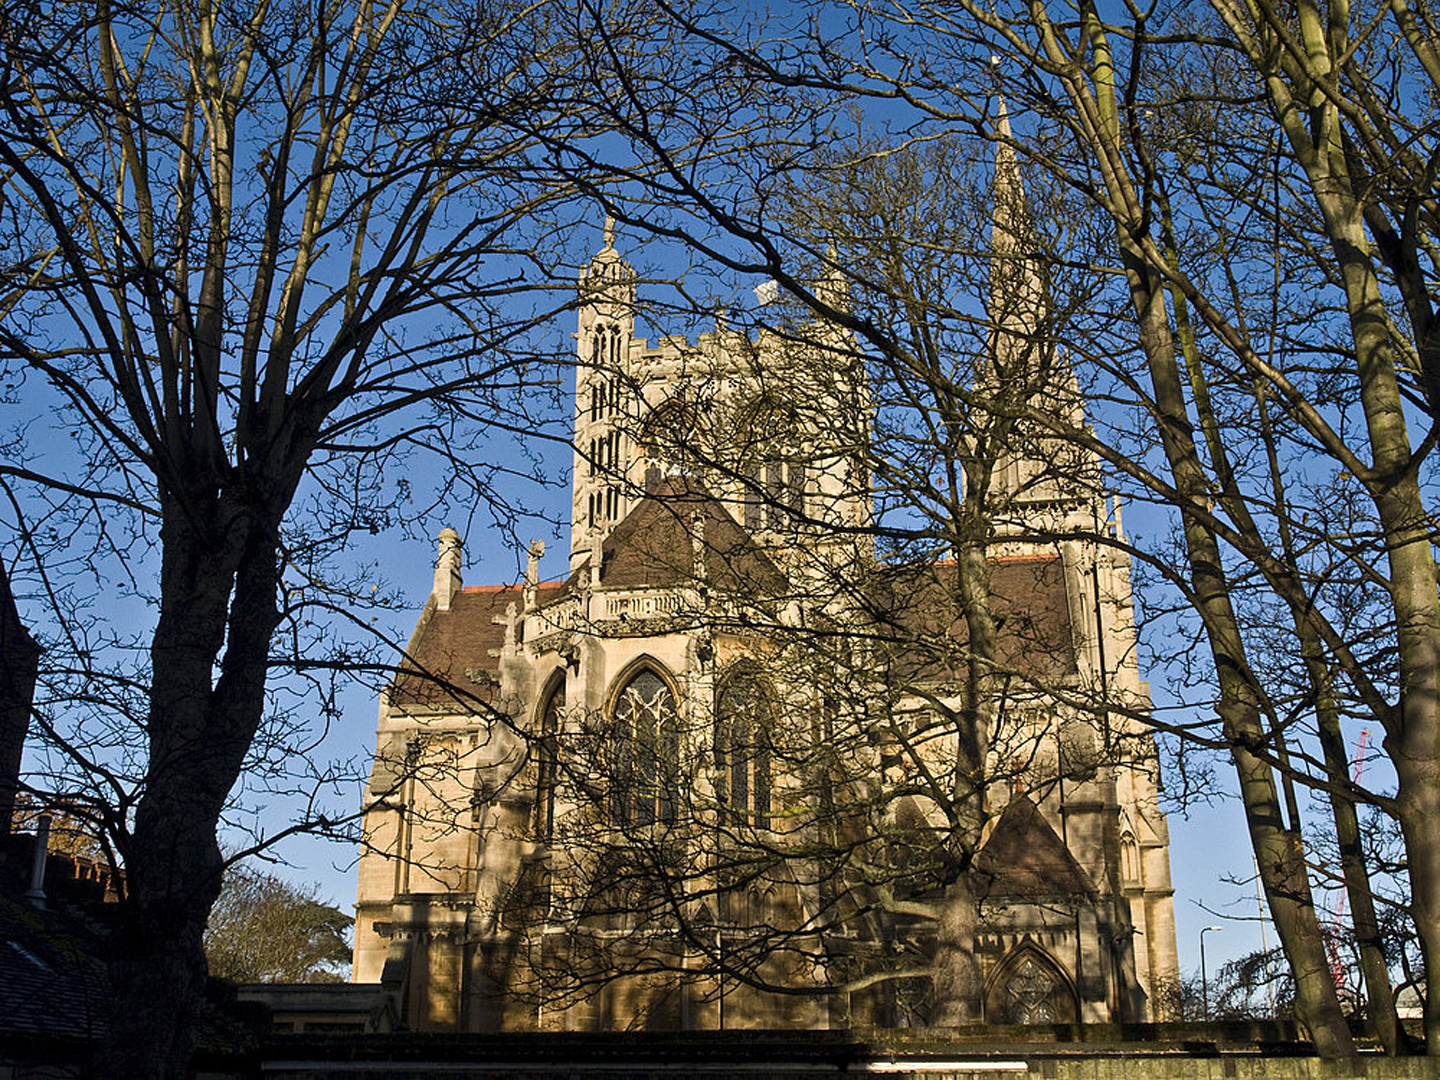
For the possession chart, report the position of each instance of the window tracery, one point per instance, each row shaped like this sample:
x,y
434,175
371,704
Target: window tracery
x,y
647,752
1030,988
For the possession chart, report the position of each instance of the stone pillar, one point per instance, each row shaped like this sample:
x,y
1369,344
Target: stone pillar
x,y
447,569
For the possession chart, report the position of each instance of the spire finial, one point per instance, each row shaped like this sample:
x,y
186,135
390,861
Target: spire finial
x,y
1007,190
609,230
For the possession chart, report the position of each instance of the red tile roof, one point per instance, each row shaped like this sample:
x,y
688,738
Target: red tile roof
x,y
451,648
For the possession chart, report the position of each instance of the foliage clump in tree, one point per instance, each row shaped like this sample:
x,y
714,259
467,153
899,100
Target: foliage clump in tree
x,y
266,929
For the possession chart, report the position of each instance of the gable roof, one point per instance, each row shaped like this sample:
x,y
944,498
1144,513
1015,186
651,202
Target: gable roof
x,y
1024,857
655,546
451,651
454,654
918,604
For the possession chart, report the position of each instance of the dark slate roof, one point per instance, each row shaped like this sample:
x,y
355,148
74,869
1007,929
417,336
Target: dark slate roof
x,y
919,605
1023,857
55,977
52,980
451,650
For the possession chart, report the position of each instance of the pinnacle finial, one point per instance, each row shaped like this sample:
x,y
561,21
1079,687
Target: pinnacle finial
x,y
609,230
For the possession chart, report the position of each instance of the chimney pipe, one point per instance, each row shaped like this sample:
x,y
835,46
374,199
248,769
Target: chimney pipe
x,y
36,893
447,568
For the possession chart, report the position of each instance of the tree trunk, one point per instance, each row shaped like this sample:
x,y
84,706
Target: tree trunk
x,y
1277,848
19,664
200,729
1375,971
1315,130
1414,742
1379,994
1412,738
956,979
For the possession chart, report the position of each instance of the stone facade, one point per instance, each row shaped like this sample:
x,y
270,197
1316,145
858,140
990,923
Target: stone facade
x,y
701,782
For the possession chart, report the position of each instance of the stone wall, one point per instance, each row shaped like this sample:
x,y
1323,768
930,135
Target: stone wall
x,y
1064,1052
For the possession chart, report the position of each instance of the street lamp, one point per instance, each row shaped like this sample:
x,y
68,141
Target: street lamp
x,y
1204,980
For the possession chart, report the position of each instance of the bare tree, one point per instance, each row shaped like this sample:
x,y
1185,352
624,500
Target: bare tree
x,y
254,260
1302,347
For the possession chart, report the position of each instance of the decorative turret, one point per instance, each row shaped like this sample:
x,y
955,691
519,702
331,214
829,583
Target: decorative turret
x,y
832,287
602,383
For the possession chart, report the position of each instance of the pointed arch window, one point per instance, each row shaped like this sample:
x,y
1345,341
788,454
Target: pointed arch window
x,y
774,493
647,752
547,761
1129,859
1029,987
744,725
671,440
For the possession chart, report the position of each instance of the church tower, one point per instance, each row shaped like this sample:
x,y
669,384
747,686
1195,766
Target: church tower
x,y
604,396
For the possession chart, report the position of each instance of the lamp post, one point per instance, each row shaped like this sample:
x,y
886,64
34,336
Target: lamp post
x,y
1204,979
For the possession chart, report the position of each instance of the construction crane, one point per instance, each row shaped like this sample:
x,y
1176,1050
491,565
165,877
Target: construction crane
x,y
1332,940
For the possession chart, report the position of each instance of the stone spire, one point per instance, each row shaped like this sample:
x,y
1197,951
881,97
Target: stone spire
x,y
1018,298
1024,357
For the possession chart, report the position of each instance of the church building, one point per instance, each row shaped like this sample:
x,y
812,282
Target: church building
x,y
739,768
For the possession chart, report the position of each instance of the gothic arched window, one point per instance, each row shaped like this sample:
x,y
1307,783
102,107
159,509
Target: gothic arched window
x,y
1029,987
647,751
768,451
1129,858
670,440
547,761
744,723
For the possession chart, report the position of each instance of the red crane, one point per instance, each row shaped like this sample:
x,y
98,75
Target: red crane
x,y
1332,940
